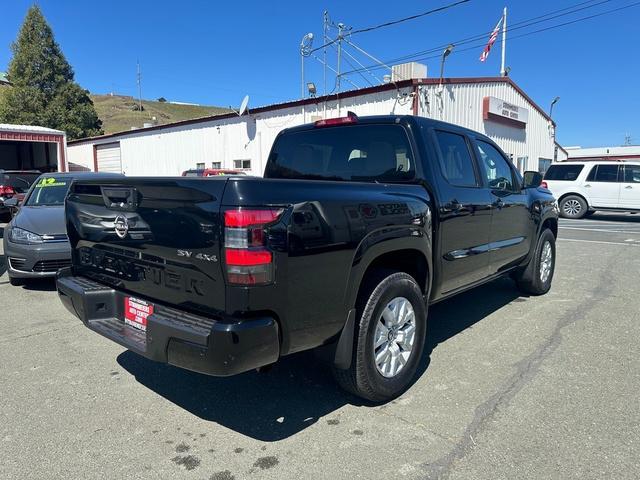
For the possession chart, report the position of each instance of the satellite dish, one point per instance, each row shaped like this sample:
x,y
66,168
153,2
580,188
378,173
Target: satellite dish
x,y
243,105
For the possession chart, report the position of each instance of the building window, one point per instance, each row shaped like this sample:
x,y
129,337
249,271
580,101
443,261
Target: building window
x,y
217,165
522,163
200,166
242,164
543,164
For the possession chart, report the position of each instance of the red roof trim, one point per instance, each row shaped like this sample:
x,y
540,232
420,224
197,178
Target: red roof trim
x,y
334,97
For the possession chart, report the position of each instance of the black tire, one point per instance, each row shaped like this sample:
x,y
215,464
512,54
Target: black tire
x,y
531,280
16,282
573,206
363,377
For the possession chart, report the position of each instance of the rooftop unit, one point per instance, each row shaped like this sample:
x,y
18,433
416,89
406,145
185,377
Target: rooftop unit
x,y
408,71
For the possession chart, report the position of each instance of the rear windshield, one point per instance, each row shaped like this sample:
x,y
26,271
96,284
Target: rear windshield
x,y
566,173
19,181
49,191
351,152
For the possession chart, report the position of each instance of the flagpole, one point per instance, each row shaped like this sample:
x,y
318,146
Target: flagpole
x,y
504,42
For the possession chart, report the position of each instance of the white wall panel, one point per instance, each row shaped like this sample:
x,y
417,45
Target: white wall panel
x,y
171,150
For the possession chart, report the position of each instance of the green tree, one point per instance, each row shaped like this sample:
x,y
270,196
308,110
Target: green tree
x,y
44,91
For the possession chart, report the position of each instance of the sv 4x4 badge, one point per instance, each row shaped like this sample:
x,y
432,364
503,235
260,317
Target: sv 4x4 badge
x,y
198,256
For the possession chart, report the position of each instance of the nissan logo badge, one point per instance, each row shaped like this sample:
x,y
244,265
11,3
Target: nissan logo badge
x,y
121,225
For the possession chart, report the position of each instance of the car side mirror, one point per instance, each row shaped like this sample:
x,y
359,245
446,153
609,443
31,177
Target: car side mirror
x,y
532,179
12,203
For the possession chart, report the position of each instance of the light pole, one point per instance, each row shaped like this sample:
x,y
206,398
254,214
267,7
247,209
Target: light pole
x,y
553,129
447,51
553,102
305,51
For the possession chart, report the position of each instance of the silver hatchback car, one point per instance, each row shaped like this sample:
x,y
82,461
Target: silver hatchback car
x,y
35,241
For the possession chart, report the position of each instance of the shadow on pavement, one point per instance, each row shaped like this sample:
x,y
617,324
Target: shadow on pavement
x,y
40,285
614,217
299,389
3,265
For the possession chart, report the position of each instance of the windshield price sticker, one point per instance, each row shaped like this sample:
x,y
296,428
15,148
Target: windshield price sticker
x,y
50,182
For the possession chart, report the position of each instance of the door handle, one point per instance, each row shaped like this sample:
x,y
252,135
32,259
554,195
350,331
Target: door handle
x,y
587,186
453,206
628,187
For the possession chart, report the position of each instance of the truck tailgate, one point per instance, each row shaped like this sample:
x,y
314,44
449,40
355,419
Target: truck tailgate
x,y
157,238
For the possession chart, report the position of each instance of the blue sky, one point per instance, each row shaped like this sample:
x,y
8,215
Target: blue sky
x,y
215,52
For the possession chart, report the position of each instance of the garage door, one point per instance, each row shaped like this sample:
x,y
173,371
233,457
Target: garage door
x,y
108,158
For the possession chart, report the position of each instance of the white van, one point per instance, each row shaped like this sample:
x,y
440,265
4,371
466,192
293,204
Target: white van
x,y
585,187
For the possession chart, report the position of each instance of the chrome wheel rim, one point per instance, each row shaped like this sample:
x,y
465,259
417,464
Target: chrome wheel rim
x,y
546,261
394,337
572,207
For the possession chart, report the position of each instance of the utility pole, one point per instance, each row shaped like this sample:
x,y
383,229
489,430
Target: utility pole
x,y
325,28
139,79
340,29
503,71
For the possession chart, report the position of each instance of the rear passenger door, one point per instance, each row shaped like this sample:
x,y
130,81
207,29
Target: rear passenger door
x,y
464,212
603,185
630,187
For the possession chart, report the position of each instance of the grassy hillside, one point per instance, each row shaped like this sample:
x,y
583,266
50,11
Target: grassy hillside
x,y
119,113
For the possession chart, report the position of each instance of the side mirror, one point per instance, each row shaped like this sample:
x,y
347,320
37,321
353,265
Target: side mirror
x,y
12,203
532,179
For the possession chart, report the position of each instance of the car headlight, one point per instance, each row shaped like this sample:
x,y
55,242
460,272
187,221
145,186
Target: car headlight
x,y
19,235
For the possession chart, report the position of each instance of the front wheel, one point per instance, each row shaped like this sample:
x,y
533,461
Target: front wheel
x,y
389,341
536,278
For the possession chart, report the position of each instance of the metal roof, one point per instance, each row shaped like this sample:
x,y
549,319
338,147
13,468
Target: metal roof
x,y
5,127
3,78
624,150
332,97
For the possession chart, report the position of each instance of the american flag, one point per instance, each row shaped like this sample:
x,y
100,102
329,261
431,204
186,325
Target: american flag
x,y
492,40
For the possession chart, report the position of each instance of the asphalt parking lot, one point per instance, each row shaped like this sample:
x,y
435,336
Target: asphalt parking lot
x,y
511,388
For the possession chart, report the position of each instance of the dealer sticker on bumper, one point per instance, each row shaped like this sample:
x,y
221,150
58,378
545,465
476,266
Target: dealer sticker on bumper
x,y
136,312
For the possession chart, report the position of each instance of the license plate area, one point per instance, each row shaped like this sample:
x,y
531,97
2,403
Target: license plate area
x,y
136,312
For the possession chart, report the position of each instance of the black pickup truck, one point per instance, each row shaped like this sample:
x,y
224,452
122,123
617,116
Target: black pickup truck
x,y
357,226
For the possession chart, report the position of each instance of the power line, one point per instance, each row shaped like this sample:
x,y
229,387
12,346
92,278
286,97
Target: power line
x,y
417,55
412,17
515,26
394,22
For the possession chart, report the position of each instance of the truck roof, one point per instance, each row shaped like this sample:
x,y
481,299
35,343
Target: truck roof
x,y
377,119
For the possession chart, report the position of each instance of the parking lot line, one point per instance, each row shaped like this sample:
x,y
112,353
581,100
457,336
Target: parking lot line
x,y
598,241
632,232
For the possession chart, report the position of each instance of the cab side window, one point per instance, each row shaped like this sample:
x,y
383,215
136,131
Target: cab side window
x,y
498,173
455,159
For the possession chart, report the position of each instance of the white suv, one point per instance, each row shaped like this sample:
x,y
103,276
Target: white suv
x,y
584,187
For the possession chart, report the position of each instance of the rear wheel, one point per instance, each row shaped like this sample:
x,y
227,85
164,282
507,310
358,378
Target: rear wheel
x,y
573,206
389,339
536,278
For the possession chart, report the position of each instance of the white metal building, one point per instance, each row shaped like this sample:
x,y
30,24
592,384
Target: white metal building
x,y
625,153
495,106
27,147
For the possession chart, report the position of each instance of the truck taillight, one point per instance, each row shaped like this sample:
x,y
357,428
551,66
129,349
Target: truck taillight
x,y
6,191
248,260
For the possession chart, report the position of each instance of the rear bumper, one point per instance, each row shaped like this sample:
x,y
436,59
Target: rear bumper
x,y
221,347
